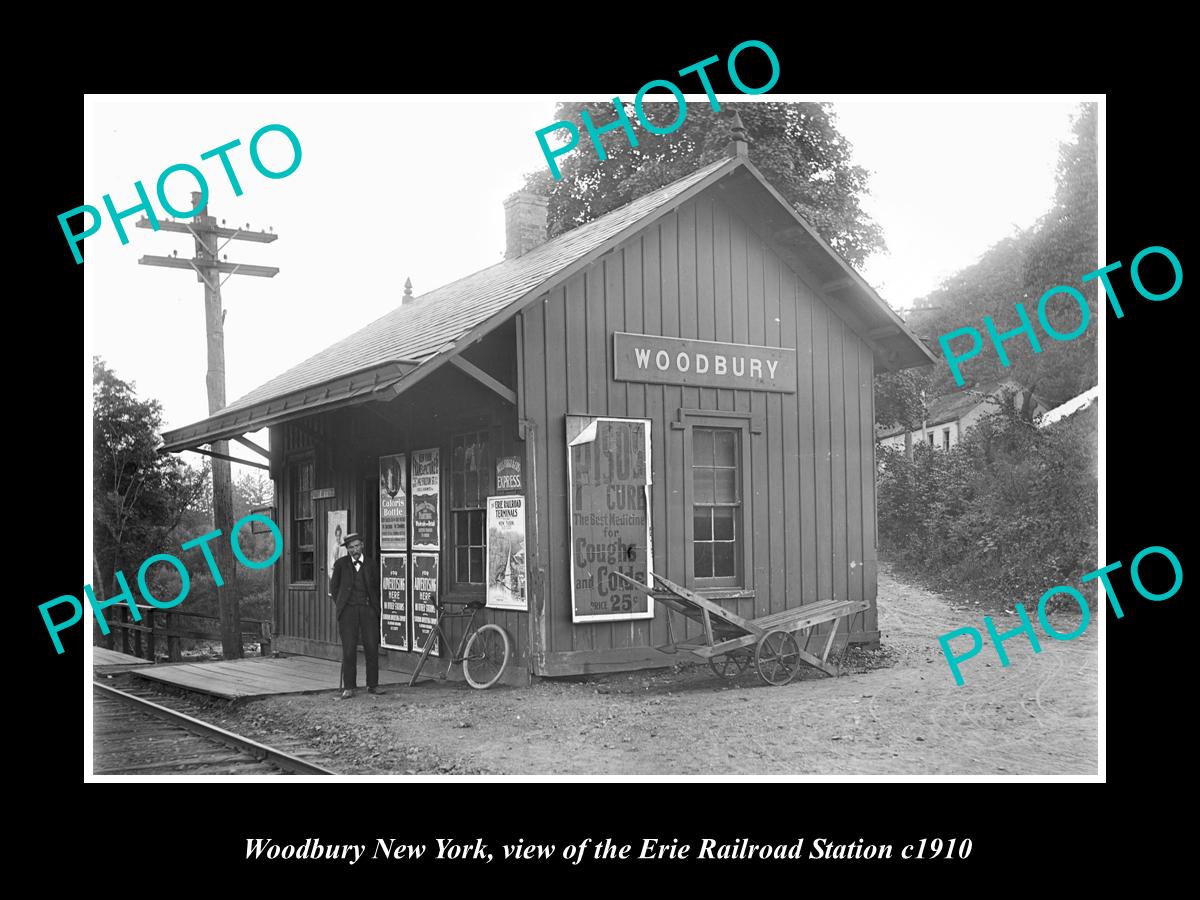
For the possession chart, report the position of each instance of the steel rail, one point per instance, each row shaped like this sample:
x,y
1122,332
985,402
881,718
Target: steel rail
x,y
261,752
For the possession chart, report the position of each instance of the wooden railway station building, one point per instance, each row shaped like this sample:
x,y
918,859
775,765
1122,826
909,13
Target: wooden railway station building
x,y
684,383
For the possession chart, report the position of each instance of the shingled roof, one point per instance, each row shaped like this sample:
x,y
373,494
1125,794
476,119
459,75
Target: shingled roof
x,y
434,321
372,362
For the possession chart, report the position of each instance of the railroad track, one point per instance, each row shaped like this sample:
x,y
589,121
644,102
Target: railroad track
x,y
136,736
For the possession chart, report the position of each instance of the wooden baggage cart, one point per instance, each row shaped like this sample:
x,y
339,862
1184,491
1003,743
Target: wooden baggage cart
x,y
730,642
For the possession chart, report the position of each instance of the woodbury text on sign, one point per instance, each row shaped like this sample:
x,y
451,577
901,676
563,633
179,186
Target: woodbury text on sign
x,y
668,360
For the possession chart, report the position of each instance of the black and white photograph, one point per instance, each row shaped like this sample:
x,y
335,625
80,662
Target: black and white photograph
x,y
765,446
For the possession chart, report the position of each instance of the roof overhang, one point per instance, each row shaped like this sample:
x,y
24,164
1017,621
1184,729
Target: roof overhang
x,y
378,383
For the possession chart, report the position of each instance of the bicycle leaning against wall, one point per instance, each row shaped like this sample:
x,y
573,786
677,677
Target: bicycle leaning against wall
x,y
484,651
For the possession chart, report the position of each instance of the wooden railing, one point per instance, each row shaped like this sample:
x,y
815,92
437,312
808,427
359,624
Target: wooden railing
x,y
142,639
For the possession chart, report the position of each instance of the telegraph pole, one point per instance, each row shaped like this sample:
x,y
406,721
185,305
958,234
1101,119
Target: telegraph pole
x,y
209,268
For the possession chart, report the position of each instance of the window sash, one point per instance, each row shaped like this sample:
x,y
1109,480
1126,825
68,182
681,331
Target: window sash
x,y
717,483
303,521
470,484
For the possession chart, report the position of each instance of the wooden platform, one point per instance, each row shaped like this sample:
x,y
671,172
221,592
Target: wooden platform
x,y
108,662
242,678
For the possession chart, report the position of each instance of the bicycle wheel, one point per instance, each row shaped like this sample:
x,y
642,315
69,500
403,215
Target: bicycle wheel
x,y
486,656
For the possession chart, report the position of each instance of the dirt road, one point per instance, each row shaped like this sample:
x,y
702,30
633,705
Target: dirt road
x,y
1038,716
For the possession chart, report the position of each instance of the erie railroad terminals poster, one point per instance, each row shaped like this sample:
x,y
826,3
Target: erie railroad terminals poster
x,y
425,601
336,529
608,471
506,552
394,612
393,503
426,488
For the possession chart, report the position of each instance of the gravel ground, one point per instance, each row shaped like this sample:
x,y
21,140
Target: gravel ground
x,y
897,712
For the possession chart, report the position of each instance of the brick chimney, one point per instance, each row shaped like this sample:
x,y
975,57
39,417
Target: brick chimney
x,y
524,223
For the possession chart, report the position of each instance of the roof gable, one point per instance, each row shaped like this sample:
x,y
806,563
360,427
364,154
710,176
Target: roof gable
x,y
417,336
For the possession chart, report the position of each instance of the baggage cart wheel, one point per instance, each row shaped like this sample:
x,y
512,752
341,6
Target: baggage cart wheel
x,y
777,657
730,665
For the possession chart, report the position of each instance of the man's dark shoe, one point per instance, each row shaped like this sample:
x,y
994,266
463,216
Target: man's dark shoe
x,y
375,690
346,694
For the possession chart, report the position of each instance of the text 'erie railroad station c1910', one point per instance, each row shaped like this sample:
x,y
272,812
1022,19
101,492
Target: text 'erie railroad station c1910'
x,y
682,386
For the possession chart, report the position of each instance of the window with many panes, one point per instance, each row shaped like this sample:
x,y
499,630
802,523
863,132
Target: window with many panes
x,y
717,505
470,483
300,477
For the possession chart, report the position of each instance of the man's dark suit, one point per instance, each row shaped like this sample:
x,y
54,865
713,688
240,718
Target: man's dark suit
x,y
357,621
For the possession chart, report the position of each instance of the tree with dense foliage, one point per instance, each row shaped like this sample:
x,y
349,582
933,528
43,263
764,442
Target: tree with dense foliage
x,y
796,146
251,490
1058,249
139,496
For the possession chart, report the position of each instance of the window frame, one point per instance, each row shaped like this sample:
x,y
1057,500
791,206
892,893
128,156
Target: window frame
x,y
743,580
485,489
293,463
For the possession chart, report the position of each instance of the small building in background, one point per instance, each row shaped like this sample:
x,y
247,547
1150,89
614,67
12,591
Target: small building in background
x,y
948,418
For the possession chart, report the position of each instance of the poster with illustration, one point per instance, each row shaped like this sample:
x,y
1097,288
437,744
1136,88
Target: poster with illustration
x,y
426,505
506,553
393,503
394,604
336,529
425,601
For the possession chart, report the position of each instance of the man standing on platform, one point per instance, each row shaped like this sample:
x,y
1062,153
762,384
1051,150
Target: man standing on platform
x,y
354,588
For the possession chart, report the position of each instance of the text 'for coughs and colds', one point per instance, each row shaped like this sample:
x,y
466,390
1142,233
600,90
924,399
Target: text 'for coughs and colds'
x,y
622,118
147,207
126,596
1026,627
1026,327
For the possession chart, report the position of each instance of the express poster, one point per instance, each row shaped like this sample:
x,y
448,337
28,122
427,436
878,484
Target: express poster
x,y
394,612
426,489
393,503
425,600
506,553
508,473
608,473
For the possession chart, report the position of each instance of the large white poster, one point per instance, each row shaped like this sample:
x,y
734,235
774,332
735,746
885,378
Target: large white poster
x,y
608,474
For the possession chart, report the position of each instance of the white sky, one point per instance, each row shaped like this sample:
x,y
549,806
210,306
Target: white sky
x,y
412,187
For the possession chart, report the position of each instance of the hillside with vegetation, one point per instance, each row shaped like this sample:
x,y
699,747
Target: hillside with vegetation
x,y
1010,510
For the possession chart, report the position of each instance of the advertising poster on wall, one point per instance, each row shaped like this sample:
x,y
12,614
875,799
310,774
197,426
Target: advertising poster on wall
x,y
393,502
425,601
426,499
394,605
508,473
608,472
336,529
506,553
